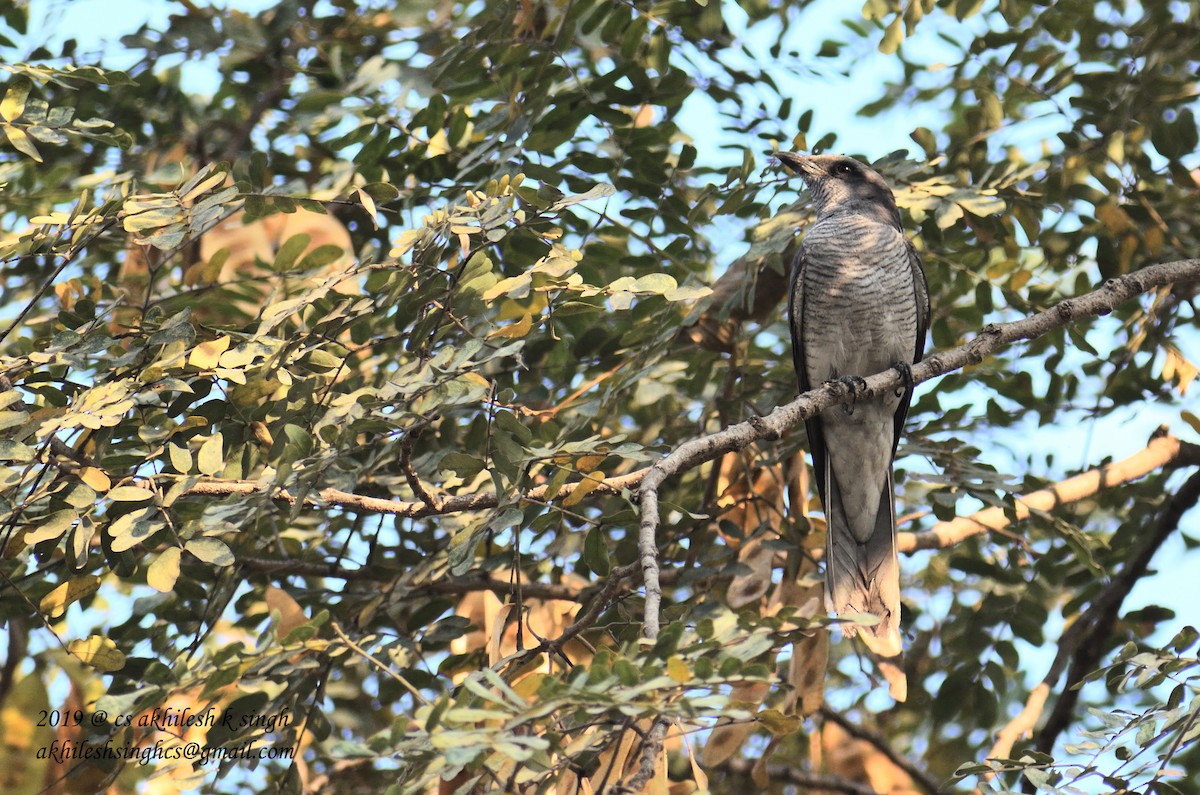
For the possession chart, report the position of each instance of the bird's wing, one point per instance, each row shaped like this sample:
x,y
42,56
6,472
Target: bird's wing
x,y
816,439
921,290
921,298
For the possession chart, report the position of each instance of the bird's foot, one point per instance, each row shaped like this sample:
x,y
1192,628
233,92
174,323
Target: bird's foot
x,y
905,370
857,386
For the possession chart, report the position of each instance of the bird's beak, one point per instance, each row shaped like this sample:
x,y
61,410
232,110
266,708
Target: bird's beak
x,y
797,164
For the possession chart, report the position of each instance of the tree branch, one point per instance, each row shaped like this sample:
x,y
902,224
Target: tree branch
x,y
793,775
990,339
1162,451
919,776
481,501
1084,640
456,585
1082,644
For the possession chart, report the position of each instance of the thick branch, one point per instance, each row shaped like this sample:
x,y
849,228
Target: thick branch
x,y
652,751
414,510
1085,640
1163,450
456,585
697,451
989,340
1083,643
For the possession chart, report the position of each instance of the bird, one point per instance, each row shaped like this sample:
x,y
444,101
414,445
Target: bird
x,y
858,304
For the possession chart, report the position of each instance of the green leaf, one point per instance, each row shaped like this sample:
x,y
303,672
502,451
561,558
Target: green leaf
x,y
130,494
290,251
210,550
321,256
181,458
15,451
211,459
144,220
52,527
599,191
464,465
131,529
461,552
163,571
167,238
596,554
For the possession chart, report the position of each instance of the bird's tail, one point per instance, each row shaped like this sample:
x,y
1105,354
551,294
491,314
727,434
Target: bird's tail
x,y
864,578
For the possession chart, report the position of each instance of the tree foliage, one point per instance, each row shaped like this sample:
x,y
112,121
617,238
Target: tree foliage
x,y
328,394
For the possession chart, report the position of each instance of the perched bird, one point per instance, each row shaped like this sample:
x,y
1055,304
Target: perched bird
x,y
859,304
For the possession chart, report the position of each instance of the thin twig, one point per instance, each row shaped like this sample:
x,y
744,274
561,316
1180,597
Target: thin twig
x,y
793,775
922,778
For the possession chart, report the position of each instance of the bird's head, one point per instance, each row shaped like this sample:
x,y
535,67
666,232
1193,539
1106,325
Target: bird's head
x,y
839,184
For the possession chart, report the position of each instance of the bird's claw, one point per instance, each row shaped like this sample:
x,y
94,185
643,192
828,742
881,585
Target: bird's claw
x,y
857,386
905,370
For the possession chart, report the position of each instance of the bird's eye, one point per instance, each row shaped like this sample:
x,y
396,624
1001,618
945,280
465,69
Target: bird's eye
x,y
843,169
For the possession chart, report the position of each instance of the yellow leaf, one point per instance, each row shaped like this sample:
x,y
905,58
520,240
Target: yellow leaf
x,y
13,105
130,494
513,287
698,774
1153,239
206,185
515,330
206,355
893,36
1019,279
369,205
164,570
1191,419
475,378
589,462
406,241
211,457
527,687
99,652
727,738
55,603
291,614
95,478
438,144
582,489
677,669
1114,218
896,679
777,723
21,142
56,218
496,633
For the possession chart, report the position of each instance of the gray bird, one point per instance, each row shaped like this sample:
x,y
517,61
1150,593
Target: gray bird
x,y
859,305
